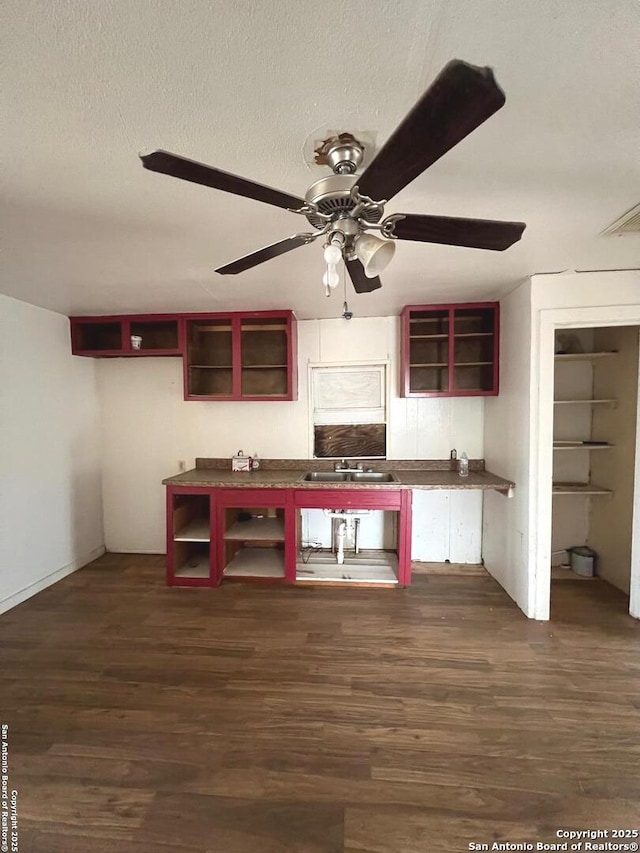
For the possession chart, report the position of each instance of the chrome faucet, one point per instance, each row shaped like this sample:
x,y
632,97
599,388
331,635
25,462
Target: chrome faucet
x,y
348,467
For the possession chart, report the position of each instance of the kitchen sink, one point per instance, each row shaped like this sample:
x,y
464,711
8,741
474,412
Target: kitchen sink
x,y
325,477
372,477
348,477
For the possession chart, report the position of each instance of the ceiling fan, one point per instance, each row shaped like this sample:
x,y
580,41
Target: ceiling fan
x,y
344,206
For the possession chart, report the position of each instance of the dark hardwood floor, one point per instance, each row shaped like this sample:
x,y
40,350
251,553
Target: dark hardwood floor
x,y
257,719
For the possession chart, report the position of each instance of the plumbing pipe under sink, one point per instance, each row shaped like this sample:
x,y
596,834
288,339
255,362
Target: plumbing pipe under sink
x,y
347,528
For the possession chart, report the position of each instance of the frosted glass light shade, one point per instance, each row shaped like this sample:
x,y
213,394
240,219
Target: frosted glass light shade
x,y
374,254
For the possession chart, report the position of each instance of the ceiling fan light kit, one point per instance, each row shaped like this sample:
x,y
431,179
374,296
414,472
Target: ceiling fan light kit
x,y
374,254
344,206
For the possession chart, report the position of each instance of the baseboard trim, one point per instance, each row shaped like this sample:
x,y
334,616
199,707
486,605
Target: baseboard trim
x,y
37,586
135,551
464,569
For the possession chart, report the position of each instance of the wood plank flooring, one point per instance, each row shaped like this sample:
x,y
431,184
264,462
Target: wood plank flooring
x,y
257,719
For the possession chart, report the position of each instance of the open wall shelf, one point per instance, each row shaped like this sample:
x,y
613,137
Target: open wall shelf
x,y
125,336
450,350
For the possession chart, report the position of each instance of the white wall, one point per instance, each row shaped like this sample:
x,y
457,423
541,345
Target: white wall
x,y
149,428
506,531
50,489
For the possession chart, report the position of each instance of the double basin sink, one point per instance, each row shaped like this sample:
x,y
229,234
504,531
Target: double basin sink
x,y
349,477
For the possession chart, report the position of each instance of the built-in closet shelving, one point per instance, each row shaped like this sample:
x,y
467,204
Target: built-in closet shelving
x,y
580,444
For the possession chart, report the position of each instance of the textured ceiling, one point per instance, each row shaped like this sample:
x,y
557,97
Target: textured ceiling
x,y
245,86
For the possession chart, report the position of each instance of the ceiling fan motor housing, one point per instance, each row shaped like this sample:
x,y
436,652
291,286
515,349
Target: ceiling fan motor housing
x,y
331,196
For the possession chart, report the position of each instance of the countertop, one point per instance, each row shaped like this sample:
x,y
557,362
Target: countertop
x,y
427,476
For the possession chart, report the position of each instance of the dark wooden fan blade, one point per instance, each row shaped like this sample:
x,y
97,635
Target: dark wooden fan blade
x,y
198,173
262,255
456,231
461,97
361,282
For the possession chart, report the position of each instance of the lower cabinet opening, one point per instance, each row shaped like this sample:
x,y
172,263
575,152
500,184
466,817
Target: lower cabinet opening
x,y
254,543
347,547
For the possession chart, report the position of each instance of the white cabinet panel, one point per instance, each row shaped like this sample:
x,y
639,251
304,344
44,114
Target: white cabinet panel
x,y
447,525
465,526
430,530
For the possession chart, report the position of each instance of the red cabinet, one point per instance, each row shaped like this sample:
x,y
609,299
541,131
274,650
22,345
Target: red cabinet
x,y
191,536
256,534
229,534
387,500
238,356
242,356
450,350
249,534
117,336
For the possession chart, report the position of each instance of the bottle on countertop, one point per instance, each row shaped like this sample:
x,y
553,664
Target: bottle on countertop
x,y
463,465
256,462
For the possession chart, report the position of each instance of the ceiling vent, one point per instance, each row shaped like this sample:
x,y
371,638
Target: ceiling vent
x,y
627,224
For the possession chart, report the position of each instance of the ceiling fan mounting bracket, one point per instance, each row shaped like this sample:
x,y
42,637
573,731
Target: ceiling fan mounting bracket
x,y
342,153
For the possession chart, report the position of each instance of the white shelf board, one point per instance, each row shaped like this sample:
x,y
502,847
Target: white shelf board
x,y
195,567
368,567
579,489
257,529
610,402
580,446
196,531
582,356
256,563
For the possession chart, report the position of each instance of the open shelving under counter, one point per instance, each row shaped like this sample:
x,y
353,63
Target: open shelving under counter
x,y
251,562
252,544
189,540
195,565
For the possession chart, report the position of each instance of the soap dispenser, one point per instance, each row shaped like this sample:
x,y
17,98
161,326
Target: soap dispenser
x,y
463,465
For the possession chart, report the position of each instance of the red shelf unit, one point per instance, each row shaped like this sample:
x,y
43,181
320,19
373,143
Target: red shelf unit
x,y
226,356
217,534
240,356
256,535
110,337
191,537
450,350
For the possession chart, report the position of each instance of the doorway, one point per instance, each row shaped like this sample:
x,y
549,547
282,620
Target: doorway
x,y
611,325
594,443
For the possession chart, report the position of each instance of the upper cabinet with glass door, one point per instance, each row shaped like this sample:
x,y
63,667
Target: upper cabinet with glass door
x,y
450,350
241,356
